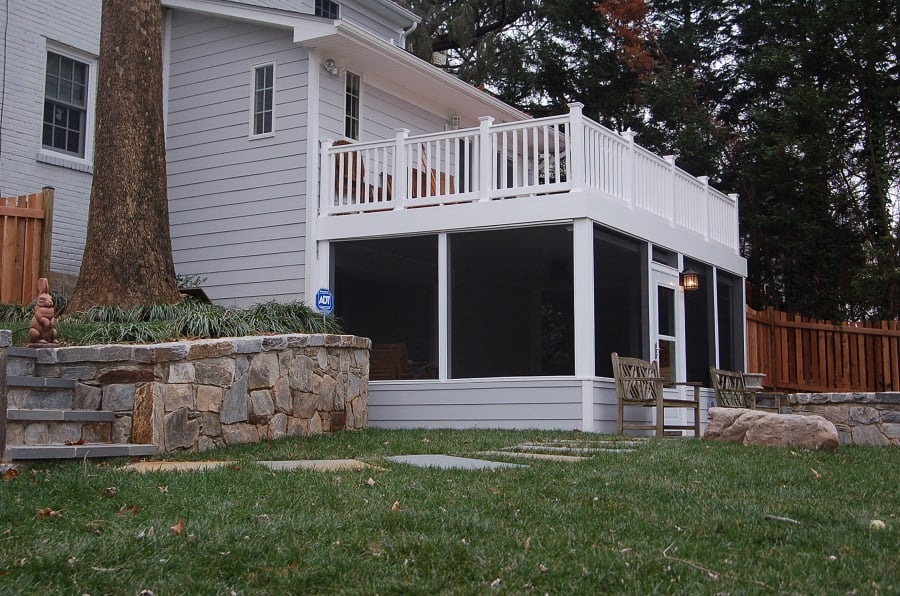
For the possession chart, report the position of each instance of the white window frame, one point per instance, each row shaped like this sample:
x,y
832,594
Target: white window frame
x,y
252,109
334,6
359,98
62,158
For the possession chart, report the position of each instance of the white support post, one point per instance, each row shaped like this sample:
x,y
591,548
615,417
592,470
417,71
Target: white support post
x,y
583,267
485,158
443,307
670,159
628,169
575,162
400,187
704,180
326,192
737,225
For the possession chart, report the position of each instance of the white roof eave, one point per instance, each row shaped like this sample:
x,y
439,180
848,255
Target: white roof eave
x,y
379,59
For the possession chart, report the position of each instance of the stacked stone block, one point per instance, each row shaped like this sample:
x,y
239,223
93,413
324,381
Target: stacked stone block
x,y
871,418
203,394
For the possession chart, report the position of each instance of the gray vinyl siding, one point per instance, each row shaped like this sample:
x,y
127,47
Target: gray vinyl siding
x,y
74,24
550,404
236,203
380,113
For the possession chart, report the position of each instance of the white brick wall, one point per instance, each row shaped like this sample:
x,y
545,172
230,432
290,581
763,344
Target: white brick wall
x,y
73,24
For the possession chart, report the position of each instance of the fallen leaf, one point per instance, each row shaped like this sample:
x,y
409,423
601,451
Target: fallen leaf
x,y
370,482
10,473
395,506
877,525
426,440
127,509
178,528
163,489
47,512
527,544
111,491
543,568
496,583
78,442
816,474
235,467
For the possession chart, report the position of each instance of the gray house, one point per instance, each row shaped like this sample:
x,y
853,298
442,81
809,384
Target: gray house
x,y
494,259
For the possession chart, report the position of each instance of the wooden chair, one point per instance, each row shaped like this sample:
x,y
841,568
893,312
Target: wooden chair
x,y
731,392
638,384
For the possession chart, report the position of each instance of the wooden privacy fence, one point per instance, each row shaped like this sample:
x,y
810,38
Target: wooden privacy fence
x,y
25,230
810,355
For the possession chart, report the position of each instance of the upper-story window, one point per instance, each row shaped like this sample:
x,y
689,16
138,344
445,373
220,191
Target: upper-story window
x,y
263,112
328,9
65,105
351,104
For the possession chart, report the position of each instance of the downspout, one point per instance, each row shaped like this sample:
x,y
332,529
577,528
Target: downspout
x,y
406,32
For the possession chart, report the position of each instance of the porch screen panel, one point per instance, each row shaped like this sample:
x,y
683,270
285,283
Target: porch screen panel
x,y
386,290
511,303
699,328
731,321
621,302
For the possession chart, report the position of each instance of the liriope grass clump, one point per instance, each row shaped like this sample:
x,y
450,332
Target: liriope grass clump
x,y
156,323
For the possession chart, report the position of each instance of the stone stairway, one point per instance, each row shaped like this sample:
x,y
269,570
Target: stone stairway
x,y
45,421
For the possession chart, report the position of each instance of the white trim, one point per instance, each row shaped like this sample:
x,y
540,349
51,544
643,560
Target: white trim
x,y
48,154
443,289
252,110
359,105
166,66
313,153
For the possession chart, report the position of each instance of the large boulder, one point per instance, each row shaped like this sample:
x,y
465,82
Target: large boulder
x,y
753,427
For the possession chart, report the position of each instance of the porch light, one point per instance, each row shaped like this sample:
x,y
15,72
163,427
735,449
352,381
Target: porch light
x,y
690,280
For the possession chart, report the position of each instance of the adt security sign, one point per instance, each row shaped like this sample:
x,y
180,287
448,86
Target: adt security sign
x,y
325,301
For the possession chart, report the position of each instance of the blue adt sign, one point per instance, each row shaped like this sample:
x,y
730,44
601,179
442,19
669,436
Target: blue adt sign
x,y
325,301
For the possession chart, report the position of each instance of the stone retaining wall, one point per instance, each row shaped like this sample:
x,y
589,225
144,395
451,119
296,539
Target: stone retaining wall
x,y
209,393
860,418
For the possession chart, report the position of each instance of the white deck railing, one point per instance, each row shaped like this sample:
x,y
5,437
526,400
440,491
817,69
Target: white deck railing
x,y
536,158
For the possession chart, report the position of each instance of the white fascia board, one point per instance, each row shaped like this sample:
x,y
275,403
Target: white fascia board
x,y
389,10
274,17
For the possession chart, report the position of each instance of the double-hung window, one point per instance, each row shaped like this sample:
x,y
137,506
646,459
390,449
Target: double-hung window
x,y
328,9
351,106
65,125
263,112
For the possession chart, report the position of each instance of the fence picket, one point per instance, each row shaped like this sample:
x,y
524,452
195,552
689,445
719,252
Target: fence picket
x,y
804,354
23,244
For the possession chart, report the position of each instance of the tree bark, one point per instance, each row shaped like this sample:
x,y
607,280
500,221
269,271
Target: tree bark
x,y
128,254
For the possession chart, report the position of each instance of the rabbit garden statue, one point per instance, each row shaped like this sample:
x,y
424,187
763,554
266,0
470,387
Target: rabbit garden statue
x,y
43,323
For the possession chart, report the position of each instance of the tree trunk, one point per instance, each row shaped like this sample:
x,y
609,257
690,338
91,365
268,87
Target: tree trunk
x,y
128,255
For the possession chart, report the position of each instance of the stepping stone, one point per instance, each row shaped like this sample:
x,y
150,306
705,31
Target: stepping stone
x,y
534,455
175,466
451,462
319,465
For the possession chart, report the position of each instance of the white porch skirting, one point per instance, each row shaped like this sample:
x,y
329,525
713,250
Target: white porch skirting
x,y
544,403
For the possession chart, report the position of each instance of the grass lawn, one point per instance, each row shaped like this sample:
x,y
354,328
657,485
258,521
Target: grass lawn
x,y
674,516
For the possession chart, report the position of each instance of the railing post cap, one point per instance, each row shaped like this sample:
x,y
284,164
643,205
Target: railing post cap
x,y
485,118
733,196
670,159
575,106
403,131
703,180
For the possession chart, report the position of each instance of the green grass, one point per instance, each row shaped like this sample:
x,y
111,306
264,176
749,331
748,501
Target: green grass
x,y
675,516
168,322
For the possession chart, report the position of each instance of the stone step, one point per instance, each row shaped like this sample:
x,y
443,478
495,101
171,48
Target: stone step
x,y
21,361
88,450
40,399
39,383
58,415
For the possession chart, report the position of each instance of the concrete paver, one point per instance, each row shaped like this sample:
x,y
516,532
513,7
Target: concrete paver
x,y
451,461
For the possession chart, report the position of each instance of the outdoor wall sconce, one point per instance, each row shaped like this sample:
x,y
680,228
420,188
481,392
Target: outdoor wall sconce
x,y
331,67
689,280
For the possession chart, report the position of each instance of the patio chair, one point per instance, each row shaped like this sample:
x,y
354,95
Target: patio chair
x,y
638,383
732,393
